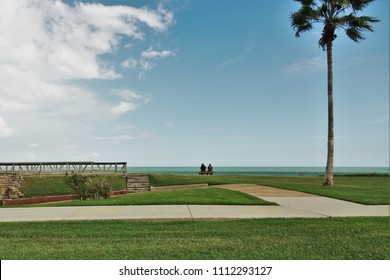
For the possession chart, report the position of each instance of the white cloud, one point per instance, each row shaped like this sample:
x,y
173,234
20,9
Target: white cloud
x,y
56,41
121,138
123,108
48,47
147,60
5,130
153,54
122,18
130,101
147,65
45,42
130,63
129,95
306,65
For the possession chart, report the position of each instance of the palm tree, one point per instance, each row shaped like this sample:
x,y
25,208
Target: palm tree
x,y
332,15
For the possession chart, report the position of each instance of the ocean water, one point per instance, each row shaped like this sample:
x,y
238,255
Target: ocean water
x,y
277,171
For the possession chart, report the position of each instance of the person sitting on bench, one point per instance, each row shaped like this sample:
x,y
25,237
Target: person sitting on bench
x,y
210,168
203,168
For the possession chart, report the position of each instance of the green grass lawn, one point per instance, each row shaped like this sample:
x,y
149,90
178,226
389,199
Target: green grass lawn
x,y
374,190
279,239
207,196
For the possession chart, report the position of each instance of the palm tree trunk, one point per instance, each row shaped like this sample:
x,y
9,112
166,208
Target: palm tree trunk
x,y
328,182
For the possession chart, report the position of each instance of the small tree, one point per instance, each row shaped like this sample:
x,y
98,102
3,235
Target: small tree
x,y
77,185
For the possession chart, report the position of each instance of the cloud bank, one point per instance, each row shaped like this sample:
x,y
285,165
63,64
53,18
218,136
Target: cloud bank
x,y
49,47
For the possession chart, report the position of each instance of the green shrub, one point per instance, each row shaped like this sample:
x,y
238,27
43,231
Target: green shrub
x,y
101,186
89,187
77,185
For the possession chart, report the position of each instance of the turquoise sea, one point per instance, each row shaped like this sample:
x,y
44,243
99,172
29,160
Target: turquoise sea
x,y
280,171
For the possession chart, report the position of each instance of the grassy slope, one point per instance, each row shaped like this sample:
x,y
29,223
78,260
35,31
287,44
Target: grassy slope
x,y
365,190
208,196
35,185
335,238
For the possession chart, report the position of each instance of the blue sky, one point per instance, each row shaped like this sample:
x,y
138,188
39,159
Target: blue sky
x,y
178,83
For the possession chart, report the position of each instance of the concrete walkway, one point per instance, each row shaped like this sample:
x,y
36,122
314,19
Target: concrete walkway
x,y
311,204
291,205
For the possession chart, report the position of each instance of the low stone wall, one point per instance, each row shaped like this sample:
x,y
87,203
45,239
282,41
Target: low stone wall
x,y
10,185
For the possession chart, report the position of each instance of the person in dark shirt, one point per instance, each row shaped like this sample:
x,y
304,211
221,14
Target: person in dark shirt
x,y
203,168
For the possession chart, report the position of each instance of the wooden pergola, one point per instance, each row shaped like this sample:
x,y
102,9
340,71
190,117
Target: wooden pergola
x,y
63,167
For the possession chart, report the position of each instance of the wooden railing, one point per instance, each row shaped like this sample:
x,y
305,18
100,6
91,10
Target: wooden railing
x,y
63,167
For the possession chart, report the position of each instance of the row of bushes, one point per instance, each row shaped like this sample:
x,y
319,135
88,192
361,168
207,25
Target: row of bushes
x,y
89,187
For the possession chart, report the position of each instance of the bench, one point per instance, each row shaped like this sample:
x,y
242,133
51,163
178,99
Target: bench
x,y
206,173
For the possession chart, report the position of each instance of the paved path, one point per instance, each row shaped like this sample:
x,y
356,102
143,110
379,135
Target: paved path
x,y
291,204
311,204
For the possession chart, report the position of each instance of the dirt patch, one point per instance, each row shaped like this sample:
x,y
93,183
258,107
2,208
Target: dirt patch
x,y
263,191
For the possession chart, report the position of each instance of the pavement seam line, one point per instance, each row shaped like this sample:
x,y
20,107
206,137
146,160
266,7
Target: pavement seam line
x,y
189,210
70,216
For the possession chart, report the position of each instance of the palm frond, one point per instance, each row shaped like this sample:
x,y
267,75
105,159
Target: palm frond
x,y
303,19
300,23
357,25
333,14
359,5
306,2
354,34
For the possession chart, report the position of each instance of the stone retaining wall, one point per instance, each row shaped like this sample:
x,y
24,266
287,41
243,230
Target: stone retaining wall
x,y
10,185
